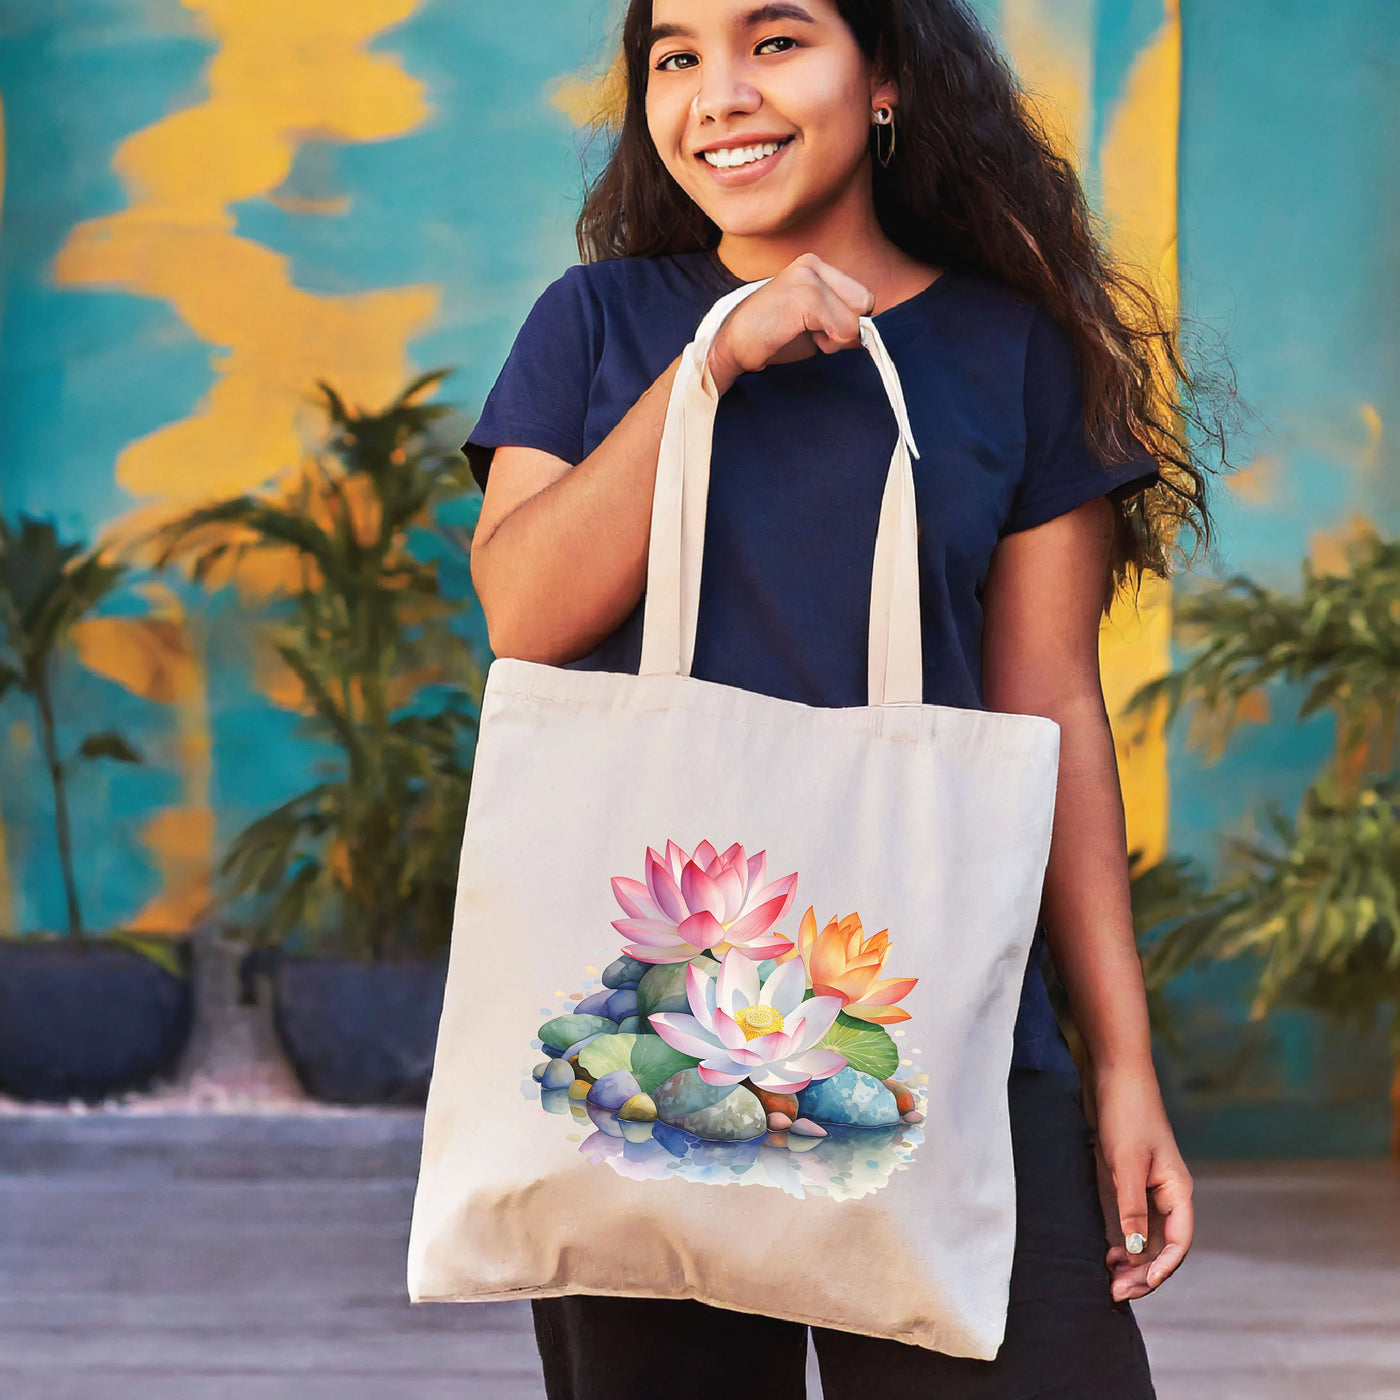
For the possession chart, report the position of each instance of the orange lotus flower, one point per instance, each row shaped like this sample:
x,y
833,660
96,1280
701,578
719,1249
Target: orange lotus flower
x,y
842,962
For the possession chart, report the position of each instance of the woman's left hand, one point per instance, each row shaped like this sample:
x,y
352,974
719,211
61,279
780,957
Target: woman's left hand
x,y
1143,1181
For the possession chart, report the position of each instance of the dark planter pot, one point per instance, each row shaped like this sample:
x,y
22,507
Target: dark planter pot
x,y
83,1023
360,1032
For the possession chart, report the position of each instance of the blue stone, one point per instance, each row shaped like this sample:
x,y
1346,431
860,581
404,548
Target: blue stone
x,y
851,1097
558,1074
620,1004
595,1005
613,1089
625,972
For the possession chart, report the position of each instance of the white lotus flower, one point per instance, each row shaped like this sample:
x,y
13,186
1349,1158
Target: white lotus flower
x,y
738,1030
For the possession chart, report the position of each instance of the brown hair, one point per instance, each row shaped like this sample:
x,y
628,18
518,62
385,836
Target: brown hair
x,y
975,183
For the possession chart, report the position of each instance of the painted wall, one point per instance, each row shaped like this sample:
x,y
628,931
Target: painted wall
x,y
209,204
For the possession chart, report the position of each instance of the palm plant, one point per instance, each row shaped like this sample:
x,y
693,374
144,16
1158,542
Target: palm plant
x,y
1318,900
47,587
366,858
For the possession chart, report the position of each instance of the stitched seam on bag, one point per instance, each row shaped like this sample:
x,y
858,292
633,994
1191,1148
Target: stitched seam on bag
x,y
986,733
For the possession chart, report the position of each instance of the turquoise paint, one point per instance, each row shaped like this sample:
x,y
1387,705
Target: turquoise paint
x,y
1287,229
83,371
1288,217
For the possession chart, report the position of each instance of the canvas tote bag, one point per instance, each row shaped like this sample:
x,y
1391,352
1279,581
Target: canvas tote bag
x,y
733,978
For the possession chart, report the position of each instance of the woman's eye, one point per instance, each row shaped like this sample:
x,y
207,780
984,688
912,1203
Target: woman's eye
x,y
663,65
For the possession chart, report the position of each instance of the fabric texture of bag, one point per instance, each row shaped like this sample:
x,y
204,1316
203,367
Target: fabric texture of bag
x,y
733,979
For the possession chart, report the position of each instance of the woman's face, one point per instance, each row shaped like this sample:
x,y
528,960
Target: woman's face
x,y
735,74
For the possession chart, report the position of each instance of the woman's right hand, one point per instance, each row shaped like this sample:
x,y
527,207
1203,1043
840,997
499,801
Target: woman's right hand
x,y
809,306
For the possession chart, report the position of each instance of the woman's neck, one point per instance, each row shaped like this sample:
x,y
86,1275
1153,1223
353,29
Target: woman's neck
x,y
859,251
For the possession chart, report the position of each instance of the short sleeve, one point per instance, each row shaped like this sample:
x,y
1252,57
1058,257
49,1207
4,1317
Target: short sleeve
x,y
1061,471
540,397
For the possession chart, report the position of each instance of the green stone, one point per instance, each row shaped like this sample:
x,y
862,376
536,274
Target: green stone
x,y
662,987
717,1112
563,1032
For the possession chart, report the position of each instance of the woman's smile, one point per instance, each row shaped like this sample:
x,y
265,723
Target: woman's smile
x,y
737,165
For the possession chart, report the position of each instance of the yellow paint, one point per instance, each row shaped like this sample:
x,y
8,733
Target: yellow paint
x,y
1327,549
1258,483
1052,43
156,657
1375,433
1138,168
588,100
1138,161
280,75
149,656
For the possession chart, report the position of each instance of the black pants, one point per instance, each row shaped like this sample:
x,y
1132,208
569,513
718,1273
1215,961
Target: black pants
x,y
1066,1338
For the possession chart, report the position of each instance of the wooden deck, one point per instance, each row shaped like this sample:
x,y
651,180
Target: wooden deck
x,y
261,1258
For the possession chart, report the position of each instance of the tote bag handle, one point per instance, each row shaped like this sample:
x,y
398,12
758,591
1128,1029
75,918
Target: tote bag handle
x,y
895,665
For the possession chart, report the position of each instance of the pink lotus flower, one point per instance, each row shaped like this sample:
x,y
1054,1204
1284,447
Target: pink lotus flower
x,y
738,1030
705,901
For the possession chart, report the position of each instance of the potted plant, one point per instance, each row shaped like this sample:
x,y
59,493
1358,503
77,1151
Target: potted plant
x,y
348,886
1316,900
81,1016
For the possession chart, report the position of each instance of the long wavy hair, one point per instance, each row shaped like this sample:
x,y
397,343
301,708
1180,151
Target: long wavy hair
x,y
975,183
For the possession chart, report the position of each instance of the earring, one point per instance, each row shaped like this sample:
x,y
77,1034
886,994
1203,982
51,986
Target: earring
x,y
884,117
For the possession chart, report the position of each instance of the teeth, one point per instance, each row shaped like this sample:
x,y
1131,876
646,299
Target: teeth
x,y
728,158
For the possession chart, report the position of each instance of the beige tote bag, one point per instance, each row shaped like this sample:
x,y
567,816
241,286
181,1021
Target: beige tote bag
x,y
733,979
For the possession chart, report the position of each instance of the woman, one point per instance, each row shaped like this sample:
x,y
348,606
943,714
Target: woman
x,y
872,157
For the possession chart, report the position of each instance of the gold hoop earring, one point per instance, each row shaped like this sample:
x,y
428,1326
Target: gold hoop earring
x,y
884,117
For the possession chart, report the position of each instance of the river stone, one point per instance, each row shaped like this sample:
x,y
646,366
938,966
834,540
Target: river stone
x,y
662,987
624,972
851,1097
604,1119
640,1108
595,1004
620,1004
613,1089
776,1103
634,1025
539,1069
903,1094
564,1031
717,1112
558,1074
636,1129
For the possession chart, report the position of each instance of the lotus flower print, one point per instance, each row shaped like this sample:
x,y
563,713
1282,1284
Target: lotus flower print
x,y
842,962
740,1030
717,1050
703,902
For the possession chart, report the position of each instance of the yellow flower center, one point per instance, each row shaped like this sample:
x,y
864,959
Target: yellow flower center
x,y
758,1020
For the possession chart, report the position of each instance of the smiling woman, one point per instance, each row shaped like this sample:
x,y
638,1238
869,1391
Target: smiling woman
x,y
853,163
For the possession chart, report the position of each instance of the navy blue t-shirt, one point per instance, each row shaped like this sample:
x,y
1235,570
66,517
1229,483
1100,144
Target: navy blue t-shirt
x,y
798,468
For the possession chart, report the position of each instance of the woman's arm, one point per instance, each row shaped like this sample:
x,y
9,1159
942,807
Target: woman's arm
x,y
559,555
1042,610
